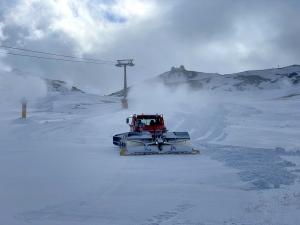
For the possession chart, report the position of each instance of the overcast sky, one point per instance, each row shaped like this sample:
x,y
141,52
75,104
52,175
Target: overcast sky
x,y
221,36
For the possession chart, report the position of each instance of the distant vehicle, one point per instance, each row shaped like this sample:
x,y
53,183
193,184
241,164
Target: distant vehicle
x,y
148,135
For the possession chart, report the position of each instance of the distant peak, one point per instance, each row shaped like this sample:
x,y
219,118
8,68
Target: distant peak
x,y
294,65
178,69
61,86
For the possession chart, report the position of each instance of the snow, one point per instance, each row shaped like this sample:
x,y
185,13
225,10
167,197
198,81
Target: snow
x,y
276,78
59,166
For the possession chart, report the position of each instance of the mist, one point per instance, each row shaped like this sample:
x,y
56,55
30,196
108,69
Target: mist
x,y
15,88
156,34
183,109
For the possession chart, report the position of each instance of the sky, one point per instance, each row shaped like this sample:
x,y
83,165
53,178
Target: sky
x,y
222,36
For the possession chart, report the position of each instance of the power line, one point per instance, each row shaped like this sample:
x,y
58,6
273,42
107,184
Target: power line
x,y
56,59
55,54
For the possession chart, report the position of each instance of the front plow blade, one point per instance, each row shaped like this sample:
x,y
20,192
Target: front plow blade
x,y
156,149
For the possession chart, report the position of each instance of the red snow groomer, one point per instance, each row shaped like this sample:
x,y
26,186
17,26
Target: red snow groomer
x,y
148,135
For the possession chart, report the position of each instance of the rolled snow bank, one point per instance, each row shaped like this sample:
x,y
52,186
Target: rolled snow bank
x,y
15,88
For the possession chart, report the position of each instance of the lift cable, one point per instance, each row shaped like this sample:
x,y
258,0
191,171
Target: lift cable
x,y
57,59
55,54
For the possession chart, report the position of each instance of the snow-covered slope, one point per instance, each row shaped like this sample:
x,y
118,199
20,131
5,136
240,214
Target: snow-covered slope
x,y
249,80
60,86
59,166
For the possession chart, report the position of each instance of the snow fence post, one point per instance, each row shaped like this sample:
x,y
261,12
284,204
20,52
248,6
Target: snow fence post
x,y
24,108
124,103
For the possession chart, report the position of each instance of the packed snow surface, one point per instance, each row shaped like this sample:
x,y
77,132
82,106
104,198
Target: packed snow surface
x,y
60,167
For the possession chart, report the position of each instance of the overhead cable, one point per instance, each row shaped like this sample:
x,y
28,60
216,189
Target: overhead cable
x,y
57,59
55,54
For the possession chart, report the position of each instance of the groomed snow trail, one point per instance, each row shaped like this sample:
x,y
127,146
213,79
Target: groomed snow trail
x,y
60,167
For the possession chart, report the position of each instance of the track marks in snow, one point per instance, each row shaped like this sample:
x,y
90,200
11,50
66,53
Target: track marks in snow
x,y
262,168
168,216
212,126
64,213
207,125
277,207
215,126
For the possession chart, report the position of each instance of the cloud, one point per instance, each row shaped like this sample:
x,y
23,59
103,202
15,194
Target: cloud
x,y
81,28
91,25
211,36
3,66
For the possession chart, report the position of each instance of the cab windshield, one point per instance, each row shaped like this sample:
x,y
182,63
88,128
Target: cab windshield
x,y
149,121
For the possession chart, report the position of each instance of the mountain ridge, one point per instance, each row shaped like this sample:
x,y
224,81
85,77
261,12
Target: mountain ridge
x,y
251,79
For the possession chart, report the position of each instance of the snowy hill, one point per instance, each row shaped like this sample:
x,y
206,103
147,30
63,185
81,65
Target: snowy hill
x,y
249,80
287,78
60,86
60,167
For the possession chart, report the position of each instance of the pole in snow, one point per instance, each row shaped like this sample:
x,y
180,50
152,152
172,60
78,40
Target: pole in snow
x,y
124,63
24,109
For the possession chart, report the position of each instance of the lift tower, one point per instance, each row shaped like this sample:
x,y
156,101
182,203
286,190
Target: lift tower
x,y
124,63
